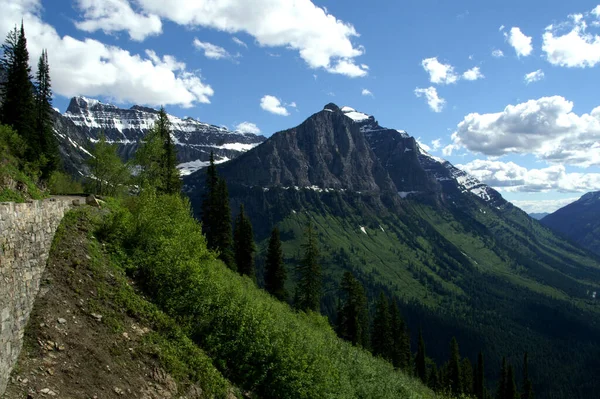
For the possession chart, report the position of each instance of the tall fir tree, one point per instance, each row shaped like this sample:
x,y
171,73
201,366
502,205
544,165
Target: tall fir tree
x,y
243,245
209,203
454,368
353,316
309,291
527,392
401,347
170,182
222,236
511,387
381,334
420,360
48,147
466,373
17,109
479,384
502,381
275,273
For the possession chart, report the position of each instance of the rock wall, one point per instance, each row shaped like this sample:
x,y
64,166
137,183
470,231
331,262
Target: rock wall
x,y
26,233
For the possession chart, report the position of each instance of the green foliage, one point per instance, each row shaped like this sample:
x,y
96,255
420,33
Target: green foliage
x,y
221,229
46,145
454,369
209,203
109,175
243,244
275,273
62,183
421,366
258,342
466,374
353,316
401,355
381,334
309,290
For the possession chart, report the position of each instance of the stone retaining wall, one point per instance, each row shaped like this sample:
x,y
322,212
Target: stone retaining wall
x,y
26,233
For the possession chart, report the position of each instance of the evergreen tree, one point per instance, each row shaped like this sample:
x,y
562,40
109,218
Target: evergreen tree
x,y
209,202
353,318
511,387
170,182
222,225
454,368
433,381
401,347
527,385
243,244
109,175
502,381
308,291
420,364
275,274
17,108
48,147
466,372
381,335
479,383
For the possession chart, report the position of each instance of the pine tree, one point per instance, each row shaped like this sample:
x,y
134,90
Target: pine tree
x,y
353,319
222,225
502,381
170,182
433,381
420,364
401,347
275,274
48,147
511,387
466,372
479,383
243,244
381,335
308,292
527,385
17,109
209,202
454,369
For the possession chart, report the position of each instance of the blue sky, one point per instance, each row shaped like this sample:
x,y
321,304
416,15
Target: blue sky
x,y
432,68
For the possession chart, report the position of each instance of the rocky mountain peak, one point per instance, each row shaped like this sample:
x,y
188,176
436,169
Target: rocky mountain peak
x,y
81,104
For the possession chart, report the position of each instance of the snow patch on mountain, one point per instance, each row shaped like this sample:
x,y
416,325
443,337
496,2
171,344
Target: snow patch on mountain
x,y
354,114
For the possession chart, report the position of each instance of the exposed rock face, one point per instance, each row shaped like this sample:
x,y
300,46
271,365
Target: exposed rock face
x,y
86,119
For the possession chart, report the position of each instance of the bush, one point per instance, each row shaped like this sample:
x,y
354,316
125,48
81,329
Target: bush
x,y
61,183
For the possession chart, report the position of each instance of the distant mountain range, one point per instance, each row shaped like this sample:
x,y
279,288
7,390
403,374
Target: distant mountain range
x,y
463,261
85,119
579,221
539,216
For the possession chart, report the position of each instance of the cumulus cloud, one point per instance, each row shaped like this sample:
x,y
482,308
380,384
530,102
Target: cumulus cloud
x,y
92,68
423,145
534,76
436,144
211,51
366,92
540,206
472,74
439,73
322,40
497,53
545,127
510,177
112,16
435,102
247,127
519,41
273,105
239,42
576,47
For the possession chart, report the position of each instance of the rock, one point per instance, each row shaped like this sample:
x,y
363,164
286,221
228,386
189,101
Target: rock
x,y
48,391
76,202
119,391
92,201
61,320
97,316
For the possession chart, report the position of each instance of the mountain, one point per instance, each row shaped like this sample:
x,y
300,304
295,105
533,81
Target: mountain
x,y
579,221
461,260
85,119
539,216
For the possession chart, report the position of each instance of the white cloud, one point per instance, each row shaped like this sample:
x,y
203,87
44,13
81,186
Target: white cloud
x,y
435,102
292,104
366,92
534,76
497,53
322,40
439,73
92,68
501,28
247,127
239,42
545,127
447,150
540,206
423,145
510,177
577,48
472,74
519,41
273,105
117,15
436,144
211,51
